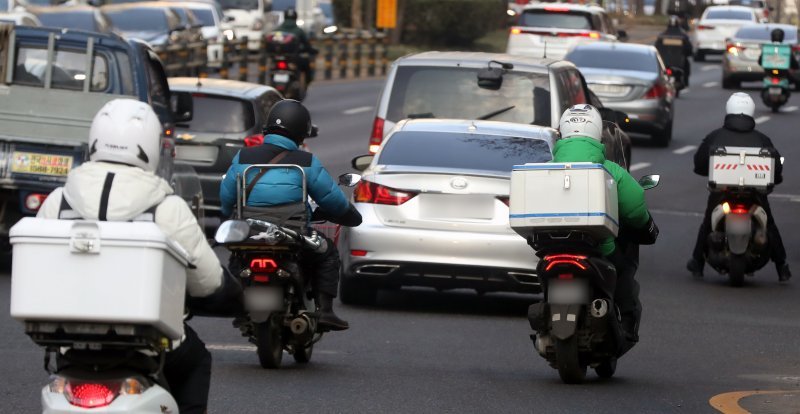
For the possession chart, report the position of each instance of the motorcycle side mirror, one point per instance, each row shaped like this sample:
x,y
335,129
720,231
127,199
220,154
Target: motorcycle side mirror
x,y
314,132
782,159
349,180
361,162
649,181
232,231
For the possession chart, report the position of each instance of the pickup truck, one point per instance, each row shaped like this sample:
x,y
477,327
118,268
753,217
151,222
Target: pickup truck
x,y
52,82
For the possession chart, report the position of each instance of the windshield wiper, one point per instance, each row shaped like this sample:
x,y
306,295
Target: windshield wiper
x,y
421,115
495,113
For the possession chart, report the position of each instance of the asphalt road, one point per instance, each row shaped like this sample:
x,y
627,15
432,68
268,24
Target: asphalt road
x,y
421,351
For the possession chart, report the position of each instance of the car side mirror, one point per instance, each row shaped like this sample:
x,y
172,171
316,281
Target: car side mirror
x,y
622,35
361,162
349,180
227,19
611,115
649,181
182,106
232,231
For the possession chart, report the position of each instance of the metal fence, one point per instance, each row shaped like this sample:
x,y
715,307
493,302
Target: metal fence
x,y
341,56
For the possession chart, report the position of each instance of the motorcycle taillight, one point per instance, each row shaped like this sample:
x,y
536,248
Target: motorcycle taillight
x,y
262,268
565,259
281,65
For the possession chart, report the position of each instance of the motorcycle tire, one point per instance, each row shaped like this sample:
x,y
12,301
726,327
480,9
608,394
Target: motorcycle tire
x,y
736,271
570,368
303,355
607,368
269,343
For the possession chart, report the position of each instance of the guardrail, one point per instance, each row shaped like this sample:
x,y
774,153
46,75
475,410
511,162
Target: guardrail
x,y
341,56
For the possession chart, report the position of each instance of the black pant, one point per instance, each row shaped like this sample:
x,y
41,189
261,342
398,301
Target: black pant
x,y
323,269
776,250
188,373
626,294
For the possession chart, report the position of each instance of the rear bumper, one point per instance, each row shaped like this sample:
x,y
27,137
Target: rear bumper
x,y
646,115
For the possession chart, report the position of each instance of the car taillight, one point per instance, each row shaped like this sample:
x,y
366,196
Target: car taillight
x,y
657,91
557,9
796,48
369,192
705,27
34,201
734,49
564,259
282,65
358,253
516,30
254,140
376,137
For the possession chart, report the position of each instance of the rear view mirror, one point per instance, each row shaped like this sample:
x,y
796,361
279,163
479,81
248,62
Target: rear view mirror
x,y
314,132
232,231
492,77
649,181
182,106
349,180
361,163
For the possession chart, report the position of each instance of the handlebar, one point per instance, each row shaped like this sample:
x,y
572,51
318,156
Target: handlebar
x,y
274,234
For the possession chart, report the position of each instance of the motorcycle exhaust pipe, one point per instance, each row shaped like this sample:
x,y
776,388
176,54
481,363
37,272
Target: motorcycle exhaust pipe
x,y
599,308
299,325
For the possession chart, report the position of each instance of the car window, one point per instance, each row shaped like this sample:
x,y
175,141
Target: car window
x,y
281,5
69,69
575,87
557,19
762,33
453,92
265,103
158,87
205,16
82,21
220,114
597,24
730,14
144,20
239,4
612,59
465,151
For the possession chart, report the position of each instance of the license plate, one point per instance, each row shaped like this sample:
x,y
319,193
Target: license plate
x,y
262,299
775,91
456,207
567,293
42,164
281,77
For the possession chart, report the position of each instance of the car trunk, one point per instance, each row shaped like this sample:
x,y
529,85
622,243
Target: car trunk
x,y
618,85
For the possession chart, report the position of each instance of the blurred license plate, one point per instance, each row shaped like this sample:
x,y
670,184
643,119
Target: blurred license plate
x,y
457,207
567,293
775,91
43,164
281,77
752,54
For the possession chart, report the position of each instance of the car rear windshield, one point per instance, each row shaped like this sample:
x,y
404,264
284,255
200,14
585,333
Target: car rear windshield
x,y
205,16
453,92
461,151
68,69
239,4
730,14
219,114
139,20
82,21
762,33
557,19
613,59
281,5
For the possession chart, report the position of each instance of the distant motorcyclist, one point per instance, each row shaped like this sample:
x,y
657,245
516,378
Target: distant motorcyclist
x,y
737,131
681,9
776,36
581,129
288,124
118,183
675,48
307,52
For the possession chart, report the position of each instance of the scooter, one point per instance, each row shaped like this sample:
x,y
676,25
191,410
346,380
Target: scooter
x,y
285,73
775,91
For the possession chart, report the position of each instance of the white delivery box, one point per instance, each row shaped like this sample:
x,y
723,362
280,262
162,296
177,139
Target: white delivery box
x,y
563,196
103,272
731,167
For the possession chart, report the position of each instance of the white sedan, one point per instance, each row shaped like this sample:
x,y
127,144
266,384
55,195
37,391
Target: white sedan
x,y
717,24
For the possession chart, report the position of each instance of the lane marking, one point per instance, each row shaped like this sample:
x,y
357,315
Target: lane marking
x,y
252,348
762,119
790,197
358,110
710,84
685,91
789,109
728,403
639,166
684,150
707,68
677,212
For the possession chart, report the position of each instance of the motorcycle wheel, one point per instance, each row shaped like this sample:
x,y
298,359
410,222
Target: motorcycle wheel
x,y
269,343
570,368
303,355
607,368
775,109
736,271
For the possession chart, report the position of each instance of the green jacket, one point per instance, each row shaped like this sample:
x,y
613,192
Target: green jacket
x,y
630,195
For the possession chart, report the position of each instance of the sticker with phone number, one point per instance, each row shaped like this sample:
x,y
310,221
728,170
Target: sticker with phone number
x,y
42,164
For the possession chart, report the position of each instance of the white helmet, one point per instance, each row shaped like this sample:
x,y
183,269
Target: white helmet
x,y
581,120
126,131
740,103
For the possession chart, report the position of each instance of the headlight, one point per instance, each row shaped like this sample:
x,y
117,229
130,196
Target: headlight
x,y
330,29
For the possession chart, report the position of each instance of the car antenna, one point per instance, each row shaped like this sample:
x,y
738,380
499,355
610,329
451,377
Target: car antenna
x,y
544,53
199,81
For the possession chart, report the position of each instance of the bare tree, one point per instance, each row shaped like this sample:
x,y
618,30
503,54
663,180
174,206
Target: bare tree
x,y
356,15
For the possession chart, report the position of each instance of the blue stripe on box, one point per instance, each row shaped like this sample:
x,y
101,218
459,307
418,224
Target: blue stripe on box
x,y
545,215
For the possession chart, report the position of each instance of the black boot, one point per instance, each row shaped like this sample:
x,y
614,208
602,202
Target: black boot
x,y
783,272
328,321
631,327
696,267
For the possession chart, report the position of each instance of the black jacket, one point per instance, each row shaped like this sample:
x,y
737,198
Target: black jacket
x,y
672,53
738,131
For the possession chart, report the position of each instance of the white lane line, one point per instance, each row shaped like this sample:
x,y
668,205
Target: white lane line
x,y
762,119
684,150
685,91
358,110
789,109
708,68
251,348
639,166
710,84
789,197
676,212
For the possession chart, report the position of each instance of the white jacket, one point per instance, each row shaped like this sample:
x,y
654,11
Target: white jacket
x,y
133,191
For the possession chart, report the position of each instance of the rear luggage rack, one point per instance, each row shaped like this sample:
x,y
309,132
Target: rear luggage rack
x,y
88,335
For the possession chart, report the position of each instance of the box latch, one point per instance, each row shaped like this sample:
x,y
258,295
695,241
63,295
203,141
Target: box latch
x,y
566,182
741,157
84,238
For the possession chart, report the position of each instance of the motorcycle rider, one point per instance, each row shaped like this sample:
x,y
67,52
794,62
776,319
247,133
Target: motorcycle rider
x,y
118,183
776,36
581,129
675,48
288,124
306,51
737,131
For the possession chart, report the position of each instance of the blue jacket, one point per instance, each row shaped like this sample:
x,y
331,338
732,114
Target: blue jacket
x,y
283,185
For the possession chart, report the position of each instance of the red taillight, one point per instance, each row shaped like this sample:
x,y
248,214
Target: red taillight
x,y
282,65
558,9
734,49
263,265
254,140
358,253
775,81
705,27
90,395
796,48
657,91
168,132
740,209
562,259
369,192
34,201
376,137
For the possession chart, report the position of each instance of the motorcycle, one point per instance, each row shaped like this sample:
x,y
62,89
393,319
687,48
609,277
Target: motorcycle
x,y
775,91
286,73
578,324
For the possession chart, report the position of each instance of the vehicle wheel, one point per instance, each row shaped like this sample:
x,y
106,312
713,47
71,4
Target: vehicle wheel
x,y
303,355
269,343
570,368
736,271
353,292
607,368
663,137
699,56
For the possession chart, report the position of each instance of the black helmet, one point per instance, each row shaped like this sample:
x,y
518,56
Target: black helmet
x,y
777,35
674,21
290,14
290,119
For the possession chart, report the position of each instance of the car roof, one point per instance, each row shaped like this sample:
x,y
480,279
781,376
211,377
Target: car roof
x,y
565,6
624,47
461,126
477,59
222,87
78,8
741,8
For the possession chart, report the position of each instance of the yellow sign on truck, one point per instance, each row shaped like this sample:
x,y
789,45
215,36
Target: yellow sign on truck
x,y
386,14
